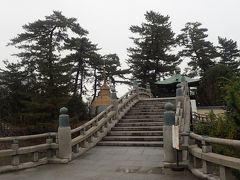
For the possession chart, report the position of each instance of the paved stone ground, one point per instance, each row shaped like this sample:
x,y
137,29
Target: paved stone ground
x,y
106,163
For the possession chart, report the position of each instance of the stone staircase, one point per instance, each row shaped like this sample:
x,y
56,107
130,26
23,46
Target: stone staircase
x,y
141,126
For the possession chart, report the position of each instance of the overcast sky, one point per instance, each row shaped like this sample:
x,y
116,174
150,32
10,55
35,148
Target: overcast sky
x,y
108,21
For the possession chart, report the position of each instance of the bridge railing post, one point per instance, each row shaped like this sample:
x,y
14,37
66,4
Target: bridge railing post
x,y
149,89
169,120
64,135
15,158
136,88
115,108
206,166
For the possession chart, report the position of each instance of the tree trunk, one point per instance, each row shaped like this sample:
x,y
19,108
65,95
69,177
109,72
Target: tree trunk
x,y
50,61
76,80
95,85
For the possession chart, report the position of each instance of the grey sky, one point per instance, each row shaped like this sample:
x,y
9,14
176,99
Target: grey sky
x,y
108,21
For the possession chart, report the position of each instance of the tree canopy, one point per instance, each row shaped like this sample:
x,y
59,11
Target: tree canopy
x,y
229,53
152,58
56,60
197,48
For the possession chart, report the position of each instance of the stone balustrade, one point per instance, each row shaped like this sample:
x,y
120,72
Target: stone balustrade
x,y
209,165
22,152
19,155
200,159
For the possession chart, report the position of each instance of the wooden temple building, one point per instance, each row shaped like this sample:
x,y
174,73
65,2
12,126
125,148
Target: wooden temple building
x,y
167,87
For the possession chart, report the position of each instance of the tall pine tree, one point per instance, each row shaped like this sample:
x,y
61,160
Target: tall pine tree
x,y
151,58
229,53
47,77
197,48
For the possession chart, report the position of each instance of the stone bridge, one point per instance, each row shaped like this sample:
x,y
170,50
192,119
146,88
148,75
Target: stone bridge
x,y
131,139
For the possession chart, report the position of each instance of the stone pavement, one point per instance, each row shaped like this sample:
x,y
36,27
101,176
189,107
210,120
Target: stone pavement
x,y
106,163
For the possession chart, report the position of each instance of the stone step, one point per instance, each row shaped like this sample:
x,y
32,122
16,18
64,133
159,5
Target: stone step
x,y
133,138
147,110
151,103
149,106
131,143
139,124
140,128
141,120
135,133
155,103
144,113
142,116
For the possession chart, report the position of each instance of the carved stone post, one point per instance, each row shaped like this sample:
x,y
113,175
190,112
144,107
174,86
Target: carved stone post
x,y
148,89
115,108
225,173
206,166
64,135
136,88
169,120
15,158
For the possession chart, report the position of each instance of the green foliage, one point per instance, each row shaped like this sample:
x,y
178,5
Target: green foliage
x,y
232,99
77,109
82,52
113,70
151,58
56,60
217,126
229,53
196,47
210,89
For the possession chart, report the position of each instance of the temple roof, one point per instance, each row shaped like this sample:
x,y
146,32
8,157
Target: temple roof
x,y
177,78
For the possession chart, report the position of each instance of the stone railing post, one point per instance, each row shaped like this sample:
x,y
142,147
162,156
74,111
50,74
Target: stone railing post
x,y
207,167
180,98
64,135
148,89
115,108
15,158
169,120
136,88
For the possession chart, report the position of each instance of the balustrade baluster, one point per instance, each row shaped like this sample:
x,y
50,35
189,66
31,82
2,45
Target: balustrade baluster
x,y
225,173
207,166
15,158
49,140
35,157
76,148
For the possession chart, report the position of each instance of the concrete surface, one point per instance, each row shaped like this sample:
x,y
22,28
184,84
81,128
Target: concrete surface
x,y
106,163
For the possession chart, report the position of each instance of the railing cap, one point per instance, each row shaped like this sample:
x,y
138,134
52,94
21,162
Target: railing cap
x,y
63,110
169,106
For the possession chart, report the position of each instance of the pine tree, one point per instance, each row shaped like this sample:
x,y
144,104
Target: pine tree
x,y
41,56
83,52
14,91
229,53
113,69
41,45
195,46
151,58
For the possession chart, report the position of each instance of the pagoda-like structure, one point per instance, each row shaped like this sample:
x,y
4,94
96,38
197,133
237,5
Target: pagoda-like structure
x,y
104,98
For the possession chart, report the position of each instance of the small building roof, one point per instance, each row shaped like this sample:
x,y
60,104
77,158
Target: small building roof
x,y
177,78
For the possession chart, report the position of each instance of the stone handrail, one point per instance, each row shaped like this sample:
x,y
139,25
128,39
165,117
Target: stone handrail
x,y
213,140
15,152
183,116
18,152
202,160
